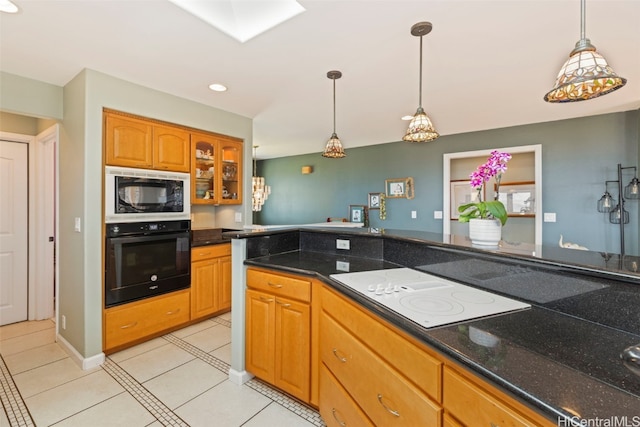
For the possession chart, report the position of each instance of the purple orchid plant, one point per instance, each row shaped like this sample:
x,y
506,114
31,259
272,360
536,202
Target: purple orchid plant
x,y
495,166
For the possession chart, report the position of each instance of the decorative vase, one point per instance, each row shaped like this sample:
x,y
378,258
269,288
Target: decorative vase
x,y
485,232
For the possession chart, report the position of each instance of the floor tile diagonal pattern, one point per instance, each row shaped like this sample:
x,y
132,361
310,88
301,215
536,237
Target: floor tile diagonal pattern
x,y
18,414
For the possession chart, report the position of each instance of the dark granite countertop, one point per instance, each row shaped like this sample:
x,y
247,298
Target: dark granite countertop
x,y
561,357
210,236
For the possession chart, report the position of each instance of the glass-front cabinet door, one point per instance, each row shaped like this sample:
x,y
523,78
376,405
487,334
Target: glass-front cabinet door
x,y
204,150
230,171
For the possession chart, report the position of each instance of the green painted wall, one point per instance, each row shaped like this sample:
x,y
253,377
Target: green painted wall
x,y
578,155
29,97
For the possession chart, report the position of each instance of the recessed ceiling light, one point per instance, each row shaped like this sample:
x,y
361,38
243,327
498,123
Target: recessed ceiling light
x,y
7,6
217,87
242,19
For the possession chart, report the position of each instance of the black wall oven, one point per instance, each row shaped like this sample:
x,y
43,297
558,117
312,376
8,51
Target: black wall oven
x,y
146,259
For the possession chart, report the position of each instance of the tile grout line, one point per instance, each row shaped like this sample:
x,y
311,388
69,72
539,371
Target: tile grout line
x,y
150,402
12,401
263,388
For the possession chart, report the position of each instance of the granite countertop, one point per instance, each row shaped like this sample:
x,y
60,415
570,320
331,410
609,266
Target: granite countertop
x,y
210,236
554,357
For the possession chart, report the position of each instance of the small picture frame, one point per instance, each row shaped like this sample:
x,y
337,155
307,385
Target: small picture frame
x,y
358,214
399,188
461,194
518,198
374,200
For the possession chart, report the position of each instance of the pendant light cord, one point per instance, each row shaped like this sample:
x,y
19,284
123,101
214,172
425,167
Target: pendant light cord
x,y
420,79
583,19
334,105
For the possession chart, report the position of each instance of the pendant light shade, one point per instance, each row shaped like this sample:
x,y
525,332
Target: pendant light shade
x,y
334,149
420,129
586,74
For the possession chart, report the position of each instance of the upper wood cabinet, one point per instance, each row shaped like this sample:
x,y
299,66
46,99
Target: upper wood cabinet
x,y
216,169
138,143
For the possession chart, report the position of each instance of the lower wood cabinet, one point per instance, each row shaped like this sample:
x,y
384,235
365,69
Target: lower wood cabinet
x,y
210,280
280,333
370,363
133,322
375,374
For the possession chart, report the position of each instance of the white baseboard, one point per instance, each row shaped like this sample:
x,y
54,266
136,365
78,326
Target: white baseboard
x,y
84,363
239,377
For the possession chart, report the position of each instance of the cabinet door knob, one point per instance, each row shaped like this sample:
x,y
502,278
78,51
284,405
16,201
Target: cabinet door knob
x,y
340,358
389,410
274,285
335,417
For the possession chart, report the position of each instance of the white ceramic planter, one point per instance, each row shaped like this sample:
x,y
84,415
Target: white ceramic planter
x,y
485,232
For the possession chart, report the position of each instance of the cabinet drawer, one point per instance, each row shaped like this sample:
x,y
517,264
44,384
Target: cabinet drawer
x,y
384,395
280,285
130,322
419,367
336,406
211,251
474,406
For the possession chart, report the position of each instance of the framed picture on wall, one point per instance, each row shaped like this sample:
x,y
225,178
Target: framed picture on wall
x,y
399,188
461,193
374,200
518,198
358,214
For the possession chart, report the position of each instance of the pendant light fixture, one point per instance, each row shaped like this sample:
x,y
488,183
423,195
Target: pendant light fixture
x,y
334,149
259,190
586,74
420,129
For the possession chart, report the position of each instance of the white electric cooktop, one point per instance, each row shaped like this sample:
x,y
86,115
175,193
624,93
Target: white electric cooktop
x,y
425,299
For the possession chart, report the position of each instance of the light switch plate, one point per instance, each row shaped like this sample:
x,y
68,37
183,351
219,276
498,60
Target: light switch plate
x,y
238,216
549,217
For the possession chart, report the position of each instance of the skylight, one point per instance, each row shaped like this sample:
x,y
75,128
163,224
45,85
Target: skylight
x,y
242,19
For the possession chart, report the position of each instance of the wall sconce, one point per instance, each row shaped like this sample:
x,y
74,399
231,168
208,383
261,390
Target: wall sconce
x,y
306,170
617,213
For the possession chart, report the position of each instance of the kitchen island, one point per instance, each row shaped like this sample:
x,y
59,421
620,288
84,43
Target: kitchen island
x,y
561,357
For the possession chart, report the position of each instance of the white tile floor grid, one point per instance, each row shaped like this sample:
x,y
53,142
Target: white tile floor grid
x,y
179,379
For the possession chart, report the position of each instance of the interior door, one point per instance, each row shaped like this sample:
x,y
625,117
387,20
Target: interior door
x,y
13,231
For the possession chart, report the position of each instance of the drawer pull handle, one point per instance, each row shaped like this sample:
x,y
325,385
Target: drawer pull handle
x,y
169,313
389,410
265,299
274,285
340,358
494,425
335,417
283,304
130,325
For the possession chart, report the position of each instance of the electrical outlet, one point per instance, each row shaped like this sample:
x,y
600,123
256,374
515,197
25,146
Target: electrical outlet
x,y
342,266
437,214
77,225
343,244
549,217
238,216
63,321
414,214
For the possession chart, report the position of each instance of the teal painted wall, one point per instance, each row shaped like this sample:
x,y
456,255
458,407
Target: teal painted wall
x,y
578,155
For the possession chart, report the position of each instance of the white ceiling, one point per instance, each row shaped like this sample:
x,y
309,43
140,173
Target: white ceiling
x,y
487,63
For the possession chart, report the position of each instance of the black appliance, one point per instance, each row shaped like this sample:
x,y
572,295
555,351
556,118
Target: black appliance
x,y
146,259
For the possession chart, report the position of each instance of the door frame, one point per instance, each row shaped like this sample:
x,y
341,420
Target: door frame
x,y
38,308
446,178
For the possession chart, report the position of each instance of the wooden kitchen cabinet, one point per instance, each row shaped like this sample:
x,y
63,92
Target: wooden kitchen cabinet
x,y
217,169
141,143
377,367
130,323
395,380
210,280
281,340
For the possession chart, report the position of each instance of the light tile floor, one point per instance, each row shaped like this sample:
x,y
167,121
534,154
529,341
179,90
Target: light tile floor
x,y
179,379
